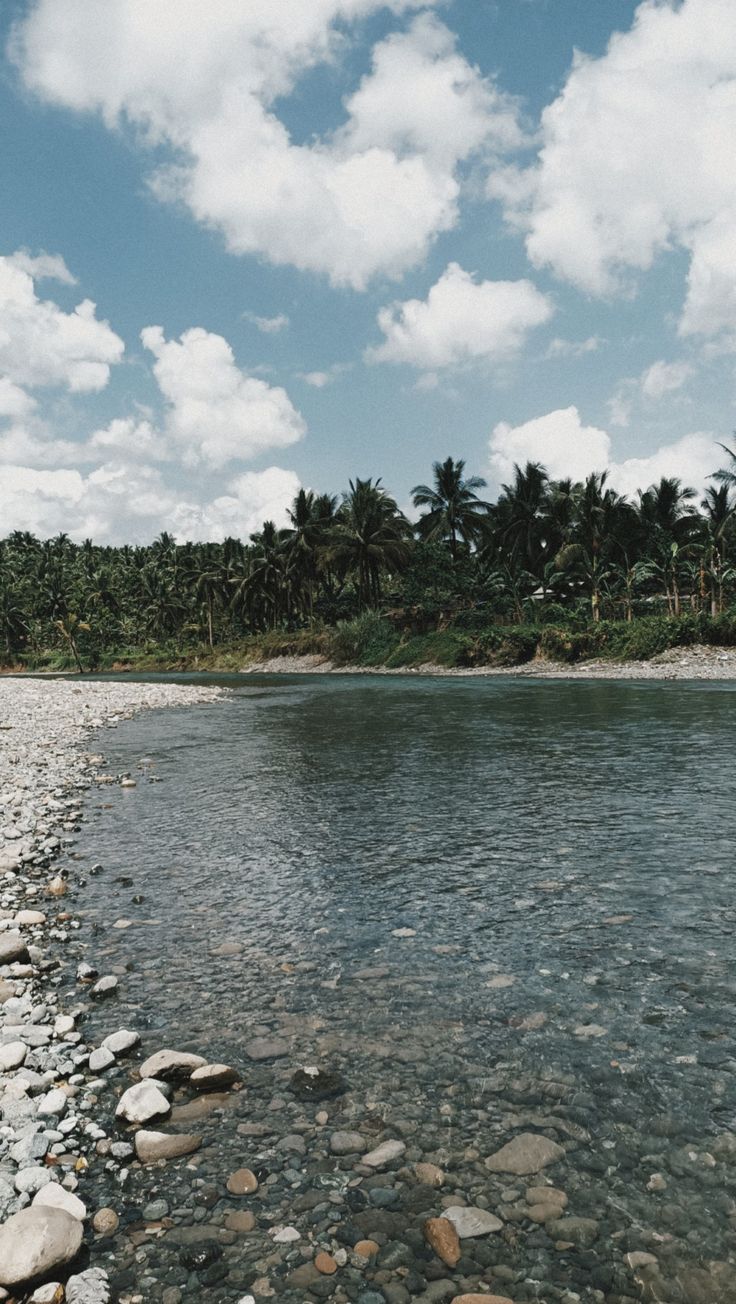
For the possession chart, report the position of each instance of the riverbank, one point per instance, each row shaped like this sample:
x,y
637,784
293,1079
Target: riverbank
x,y
696,662
53,1083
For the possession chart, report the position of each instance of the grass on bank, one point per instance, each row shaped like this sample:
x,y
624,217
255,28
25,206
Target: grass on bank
x,y
372,640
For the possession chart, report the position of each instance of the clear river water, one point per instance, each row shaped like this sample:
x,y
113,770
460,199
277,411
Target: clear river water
x,y
493,906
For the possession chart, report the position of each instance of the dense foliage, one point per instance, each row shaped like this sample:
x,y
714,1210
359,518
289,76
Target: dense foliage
x,y
572,564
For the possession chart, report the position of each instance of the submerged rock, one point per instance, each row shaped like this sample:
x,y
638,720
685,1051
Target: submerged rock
x,y
317,1084
384,1154
150,1146
470,1221
527,1153
35,1242
170,1065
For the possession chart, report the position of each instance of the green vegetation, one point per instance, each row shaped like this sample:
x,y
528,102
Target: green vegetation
x,y
554,568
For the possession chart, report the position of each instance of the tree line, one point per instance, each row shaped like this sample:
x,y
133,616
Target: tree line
x,y
544,550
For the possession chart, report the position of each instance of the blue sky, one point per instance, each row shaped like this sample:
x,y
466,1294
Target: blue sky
x,y
404,231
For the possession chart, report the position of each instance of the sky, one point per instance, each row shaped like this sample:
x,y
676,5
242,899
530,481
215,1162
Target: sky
x,y
264,244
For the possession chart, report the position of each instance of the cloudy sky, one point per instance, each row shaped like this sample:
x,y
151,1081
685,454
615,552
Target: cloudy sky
x,y
255,244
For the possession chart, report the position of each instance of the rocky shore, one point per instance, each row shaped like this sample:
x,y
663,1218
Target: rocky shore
x,y
695,662
51,1078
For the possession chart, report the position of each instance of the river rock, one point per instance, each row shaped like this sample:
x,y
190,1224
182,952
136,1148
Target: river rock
x,y
104,987
470,1221
90,1287
242,1182
55,1196
429,1174
13,949
384,1154
12,1055
105,1222
444,1240
347,1143
526,1153
150,1146
53,1103
545,1195
35,1242
313,1083
141,1102
121,1042
579,1231
263,1048
170,1065
213,1077
100,1060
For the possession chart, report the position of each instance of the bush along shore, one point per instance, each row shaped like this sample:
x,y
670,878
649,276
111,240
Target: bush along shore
x,y
53,1083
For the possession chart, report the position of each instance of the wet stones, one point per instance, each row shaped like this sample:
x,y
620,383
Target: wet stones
x,y
525,1154
581,1232
171,1065
429,1174
105,1222
152,1146
13,949
265,1048
317,1084
386,1153
347,1143
213,1077
35,1242
442,1236
12,1055
470,1221
242,1182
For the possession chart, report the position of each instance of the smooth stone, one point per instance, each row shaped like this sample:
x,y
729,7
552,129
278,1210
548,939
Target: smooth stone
x,y
242,1182
142,1102
150,1146
263,1048
101,1059
51,1293
325,1264
384,1154
525,1154
13,949
580,1231
313,1083
444,1240
12,1055
347,1143
30,1180
55,1196
286,1235
54,1102
35,1242
104,987
213,1077
366,1249
168,1064
545,1195
30,918
470,1221
105,1222
121,1042
242,1220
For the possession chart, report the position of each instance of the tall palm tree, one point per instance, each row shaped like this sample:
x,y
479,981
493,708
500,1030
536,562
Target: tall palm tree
x,y
667,516
454,509
371,536
718,509
521,517
727,475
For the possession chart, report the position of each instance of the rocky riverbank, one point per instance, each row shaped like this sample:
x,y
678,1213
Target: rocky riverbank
x,y
695,662
52,1081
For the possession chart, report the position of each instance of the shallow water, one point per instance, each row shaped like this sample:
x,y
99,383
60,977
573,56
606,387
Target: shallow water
x,y
564,854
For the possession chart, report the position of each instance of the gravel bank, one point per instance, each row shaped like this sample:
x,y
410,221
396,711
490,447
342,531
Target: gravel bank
x,y
697,662
51,1140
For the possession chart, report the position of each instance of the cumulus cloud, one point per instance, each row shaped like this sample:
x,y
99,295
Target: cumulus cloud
x,y
120,502
664,378
461,320
568,448
637,159
40,344
43,266
366,199
216,413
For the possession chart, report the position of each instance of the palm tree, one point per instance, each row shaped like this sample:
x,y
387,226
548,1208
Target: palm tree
x,y
600,515
718,508
667,516
371,536
727,475
454,509
521,517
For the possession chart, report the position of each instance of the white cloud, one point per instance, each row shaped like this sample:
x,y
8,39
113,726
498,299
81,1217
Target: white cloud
x,y
216,413
366,199
268,325
460,321
560,348
664,378
40,344
43,266
317,379
568,448
637,159
120,502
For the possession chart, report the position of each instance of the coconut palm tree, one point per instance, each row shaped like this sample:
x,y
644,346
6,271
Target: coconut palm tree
x,y
455,512
371,536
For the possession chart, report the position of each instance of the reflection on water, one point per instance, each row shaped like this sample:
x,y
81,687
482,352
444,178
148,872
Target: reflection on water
x,y
563,855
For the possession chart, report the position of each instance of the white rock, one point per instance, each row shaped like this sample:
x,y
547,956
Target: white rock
x,y
63,1023
122,1041
171,1064
142,1102
48,1294
468,1220
30,917
90,1287
30,1180
12,1055
55,1102
54,1196
285,1235
383,1154
101,1059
